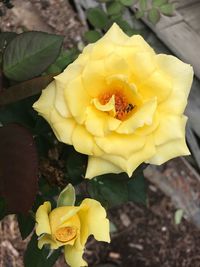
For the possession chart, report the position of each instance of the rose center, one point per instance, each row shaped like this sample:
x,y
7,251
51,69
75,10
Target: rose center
x,y
122,105
65,234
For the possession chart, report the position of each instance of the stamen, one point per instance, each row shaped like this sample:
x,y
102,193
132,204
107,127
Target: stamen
x,y
65,234
122,107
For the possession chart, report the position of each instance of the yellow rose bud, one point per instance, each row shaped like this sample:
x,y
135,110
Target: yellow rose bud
x,y
120,103
70,226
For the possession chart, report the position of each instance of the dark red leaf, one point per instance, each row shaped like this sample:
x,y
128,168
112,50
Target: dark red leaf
x,y
18,168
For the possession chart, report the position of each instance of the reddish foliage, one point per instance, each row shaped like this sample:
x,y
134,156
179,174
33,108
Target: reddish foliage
x,y
18,168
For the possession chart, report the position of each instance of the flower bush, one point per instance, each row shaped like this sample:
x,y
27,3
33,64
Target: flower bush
x,y
70,226
120,103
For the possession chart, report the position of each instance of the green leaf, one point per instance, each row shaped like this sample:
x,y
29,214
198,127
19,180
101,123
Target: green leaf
x,y
167,9
35,257
110,189
65,58
67,197
97,17
20,112
29,54
26,224
92,36
125,26
127,2
158,3
114,8
178,216
5,38
137,188
139,14
143,4
154,15
76,166
113,228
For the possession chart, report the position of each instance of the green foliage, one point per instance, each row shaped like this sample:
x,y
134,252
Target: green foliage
x,y
35,257
19,112
67,197
75,166
167,9
154,15
92,36
64,59
137,188
97,17
29,54
178,216
113,227
109,189
112,190
125,26
5,38
128,2
139,14
158,3
26,224
114,8
143,4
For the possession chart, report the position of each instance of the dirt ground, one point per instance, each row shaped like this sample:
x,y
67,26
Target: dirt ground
x,y
145,236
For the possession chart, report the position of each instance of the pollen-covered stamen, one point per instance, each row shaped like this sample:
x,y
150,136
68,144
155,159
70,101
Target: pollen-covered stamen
x,y
122,107
65,234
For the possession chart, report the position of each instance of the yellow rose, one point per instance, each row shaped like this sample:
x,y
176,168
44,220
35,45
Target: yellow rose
x,y
70,226
120,103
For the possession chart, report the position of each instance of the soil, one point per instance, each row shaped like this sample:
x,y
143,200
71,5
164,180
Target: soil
x,y
145,236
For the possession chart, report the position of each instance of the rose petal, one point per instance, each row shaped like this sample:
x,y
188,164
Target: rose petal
x,y
175,126
63,127
73,256
45,103
47,239
84,142
93,78
169,151
115,35
137,158
142,65
121,145
157,85
143,116
115,64
99,227
100,123
42,219
181,75
77,99
60,102
98,166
